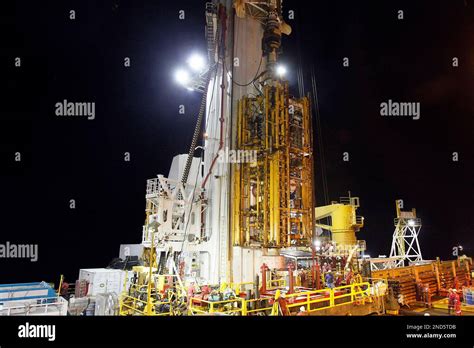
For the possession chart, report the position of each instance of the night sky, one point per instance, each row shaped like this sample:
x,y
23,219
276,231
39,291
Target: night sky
x,y
65,158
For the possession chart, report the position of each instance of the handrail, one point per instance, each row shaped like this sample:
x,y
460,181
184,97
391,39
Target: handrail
x,y
247,311
136,300
212,304
330,296
27,307
280,283
353,292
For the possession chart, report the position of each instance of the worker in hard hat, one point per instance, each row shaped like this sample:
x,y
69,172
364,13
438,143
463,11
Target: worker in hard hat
x,y
457,303
451,299
329,280
348,277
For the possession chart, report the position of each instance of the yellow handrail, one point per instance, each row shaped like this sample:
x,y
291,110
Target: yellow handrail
x,y
247,311
212,304
133,306
330,297
279,283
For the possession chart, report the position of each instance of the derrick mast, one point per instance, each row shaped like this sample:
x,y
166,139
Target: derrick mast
x,y
223,216
272,195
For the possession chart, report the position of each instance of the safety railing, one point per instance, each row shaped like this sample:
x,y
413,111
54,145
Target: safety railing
x,y
237,287
130,303
237,306
256,306
51,306
276,283
330,297
206,307
309,298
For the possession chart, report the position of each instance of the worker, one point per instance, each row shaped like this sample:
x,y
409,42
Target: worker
x,y
329,280
338,279
325,267
419,287
302,311
425,294
64,289
205,291
451,299
349,276
457,303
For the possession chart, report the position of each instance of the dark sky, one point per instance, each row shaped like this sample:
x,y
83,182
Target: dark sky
x,y
137,112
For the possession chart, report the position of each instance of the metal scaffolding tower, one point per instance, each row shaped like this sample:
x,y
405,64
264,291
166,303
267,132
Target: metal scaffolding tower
x,y
405,246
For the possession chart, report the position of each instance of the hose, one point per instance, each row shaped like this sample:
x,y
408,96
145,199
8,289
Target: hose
x,y
197,129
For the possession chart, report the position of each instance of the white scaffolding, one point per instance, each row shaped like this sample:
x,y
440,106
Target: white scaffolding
x,y
405,246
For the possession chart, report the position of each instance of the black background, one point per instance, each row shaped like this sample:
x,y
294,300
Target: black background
x,y
315,331
137,112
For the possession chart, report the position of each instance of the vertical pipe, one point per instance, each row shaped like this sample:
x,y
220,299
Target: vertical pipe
x,y
264,269
291,289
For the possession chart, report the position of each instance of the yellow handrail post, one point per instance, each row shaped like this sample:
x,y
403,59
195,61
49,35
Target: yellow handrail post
x,y
61,278
244,307
331,298
308,305
352,292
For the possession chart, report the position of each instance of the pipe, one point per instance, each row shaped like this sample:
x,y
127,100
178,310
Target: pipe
x,y
221,119
291,289
264,270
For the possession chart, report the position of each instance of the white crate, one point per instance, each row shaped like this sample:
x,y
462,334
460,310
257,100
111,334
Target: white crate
x,y
103,280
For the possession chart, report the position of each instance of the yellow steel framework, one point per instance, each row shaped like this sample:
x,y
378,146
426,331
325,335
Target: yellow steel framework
x,y
273,197
312,300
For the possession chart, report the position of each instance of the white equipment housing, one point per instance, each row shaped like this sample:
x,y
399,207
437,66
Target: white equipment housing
x,y
103,280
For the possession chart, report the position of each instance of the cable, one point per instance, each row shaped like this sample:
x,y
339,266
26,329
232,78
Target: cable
x,y
234,39
200,158
252,81
320,137
197,128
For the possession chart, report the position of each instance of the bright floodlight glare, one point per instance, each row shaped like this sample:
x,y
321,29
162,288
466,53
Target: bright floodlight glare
x,y
281,70
197,62
317,243
182,77
411,222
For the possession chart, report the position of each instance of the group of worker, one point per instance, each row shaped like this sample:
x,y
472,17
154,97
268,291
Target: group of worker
x,y
334,280
454,300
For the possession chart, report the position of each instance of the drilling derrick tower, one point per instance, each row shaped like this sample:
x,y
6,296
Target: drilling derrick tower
x,y
220,216
272,196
